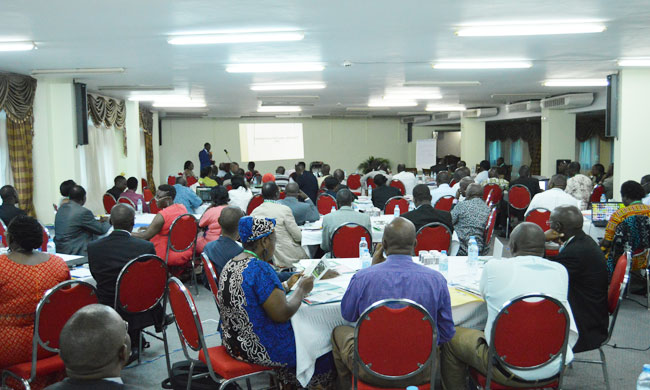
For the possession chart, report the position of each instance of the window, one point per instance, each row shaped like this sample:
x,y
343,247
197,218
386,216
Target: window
x,y
516,154
271,141
6,176
495,151
99,161
589,153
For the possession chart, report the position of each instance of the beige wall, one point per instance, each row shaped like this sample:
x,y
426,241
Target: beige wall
x,y
558,139
448,143
472,141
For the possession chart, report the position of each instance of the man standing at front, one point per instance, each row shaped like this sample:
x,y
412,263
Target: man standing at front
x,y
396,277
205,157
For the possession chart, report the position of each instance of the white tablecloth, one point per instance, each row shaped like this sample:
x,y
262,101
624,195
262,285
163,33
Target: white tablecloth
x,y
597,233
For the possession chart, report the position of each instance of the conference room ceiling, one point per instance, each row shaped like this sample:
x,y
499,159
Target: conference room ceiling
x,y
365,46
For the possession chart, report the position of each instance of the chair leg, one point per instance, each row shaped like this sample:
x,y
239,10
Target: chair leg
x,y
189,376
140,337
647,286
167,357
602,357
194,282
508,226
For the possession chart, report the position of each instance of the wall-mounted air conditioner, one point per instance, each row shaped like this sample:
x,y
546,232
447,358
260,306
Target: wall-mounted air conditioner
x,y
573,100
480,112
529,106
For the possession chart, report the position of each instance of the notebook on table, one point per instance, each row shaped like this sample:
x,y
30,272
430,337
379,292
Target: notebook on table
x,y
602,211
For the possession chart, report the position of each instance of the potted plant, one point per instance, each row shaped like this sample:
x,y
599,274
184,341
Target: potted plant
x,y
366,165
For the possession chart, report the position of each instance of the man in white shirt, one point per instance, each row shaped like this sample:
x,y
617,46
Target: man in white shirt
x,y
443,178
484,168
645,183
554,196
407,178
503,280
240,195
280,178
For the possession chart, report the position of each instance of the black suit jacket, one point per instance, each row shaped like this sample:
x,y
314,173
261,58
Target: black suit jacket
x,y
528,182
72,384
380,195
588,286
308,184
427,214
8,212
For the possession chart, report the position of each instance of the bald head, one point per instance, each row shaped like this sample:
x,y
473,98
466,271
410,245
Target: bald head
x,y
493,173
567,220
339,175
229,221
558,181
464,183
527,239
181,180
292,189
474,191
443,177
94,343
399,237
344,197
122,217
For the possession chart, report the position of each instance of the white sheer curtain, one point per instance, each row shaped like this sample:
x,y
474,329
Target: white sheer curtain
x,y
6,176
98,159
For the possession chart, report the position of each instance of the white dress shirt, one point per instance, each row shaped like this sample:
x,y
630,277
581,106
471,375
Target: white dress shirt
x,y
481,177
550,199
646,200
240,197
408,179
505,279
442,190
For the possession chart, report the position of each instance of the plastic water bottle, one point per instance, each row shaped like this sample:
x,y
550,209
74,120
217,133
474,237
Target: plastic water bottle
x,y
443,264
333,209
370,192
411,388
603,198
355,206
472,252
363,245
396,212
366,259
51,248
411,206
139,206
643,383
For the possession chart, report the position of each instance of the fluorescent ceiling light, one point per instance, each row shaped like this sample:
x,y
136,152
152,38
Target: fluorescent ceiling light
x,y
279,109
445,107
575,83
530,29
641,62
411,93
159,98
17,46
366,109
139,88
78,71
178,104
245,37
287,86
482,65
443,83
275,67
392,103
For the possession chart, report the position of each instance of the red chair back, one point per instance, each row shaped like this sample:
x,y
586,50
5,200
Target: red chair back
x,y
229,187
187,316
153,206
148,195
370,182
191,181
445,203
489,227
46,238
452,182
125,200
488,199
3,233
598,191
497,193
283,195
109,202
213,278
381,328
171,180
345,240
433,236
182,233
399,185
141,284
617,284
354,181
255,201
519,197
400,201
143,183
540,217
325,202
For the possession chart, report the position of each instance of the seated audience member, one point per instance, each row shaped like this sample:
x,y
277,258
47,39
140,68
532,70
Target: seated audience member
x,y
251,173
224,169
585,263
501,162
158,231
226,246
64,189
209,227
9,210
376,168
344,214
306,181
579,186
287,248
256,313
324,173
493,178
26,274
267,178
383,192
185,196
645,183
206,180
303,209
234,168
554,196
597,174
503,280
280,178
462,187
470,217
94,348
339,175
442,179
118,187
441,165
396,277
525,180
482,173
331,186
107,257
631,194
132,186
240,195
424,212
461,164
608,182
75,226
407,178
205,156
458,175
188,170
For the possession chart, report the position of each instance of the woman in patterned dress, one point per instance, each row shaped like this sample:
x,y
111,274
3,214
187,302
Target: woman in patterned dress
x,y
256,313
26,275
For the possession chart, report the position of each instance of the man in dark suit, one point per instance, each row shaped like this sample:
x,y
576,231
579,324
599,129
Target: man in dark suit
x,y
585,263
424,212
205,156
119,186
527,181
306,181
382,193
8,210
75,225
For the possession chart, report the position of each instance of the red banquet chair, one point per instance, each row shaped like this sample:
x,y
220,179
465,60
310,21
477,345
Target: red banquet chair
x,y
598,191
52,312
109,202
530,331
497,193
354,183
283,195
452,183
148,195
213,278
3,233
191,181
255,201
389,207
127,201
399,185
345,240
518,199
370,182
222,368
140,289
143,183
182,237
489,230
153,206
445,203
488,199
411,352
540,217
433,236
46,238
171,180
324,203
615,295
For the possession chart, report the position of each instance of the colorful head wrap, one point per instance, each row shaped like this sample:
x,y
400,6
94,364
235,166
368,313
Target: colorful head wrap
x,y
254,228
268,177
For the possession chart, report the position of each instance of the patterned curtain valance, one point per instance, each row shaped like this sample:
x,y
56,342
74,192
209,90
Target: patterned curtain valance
x,y
17,96
588,126
529,130
108,111
146,120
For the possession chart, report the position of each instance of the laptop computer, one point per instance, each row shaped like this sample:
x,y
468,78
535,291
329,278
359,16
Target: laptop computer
x,y
204,193
602,211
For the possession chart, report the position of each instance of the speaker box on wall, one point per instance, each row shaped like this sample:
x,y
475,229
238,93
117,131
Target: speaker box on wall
x,y
81,108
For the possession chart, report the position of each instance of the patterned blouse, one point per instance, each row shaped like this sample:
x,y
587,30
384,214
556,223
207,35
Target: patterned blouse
x,y
636,208
580,187
469,218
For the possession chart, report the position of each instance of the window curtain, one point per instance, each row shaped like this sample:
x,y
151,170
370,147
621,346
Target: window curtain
x,y
108,112
516,154
589,153
528,130
494,152
6,176
98,159
146,123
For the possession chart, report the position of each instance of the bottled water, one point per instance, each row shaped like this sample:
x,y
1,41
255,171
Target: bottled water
x,y
443,265
411,206
333,209
139,207
355,206
396,212
366,259
643,383
472,252
603,198
51,248
370,192
363,245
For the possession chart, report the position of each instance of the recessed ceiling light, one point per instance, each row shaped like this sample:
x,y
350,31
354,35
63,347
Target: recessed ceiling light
x,y
575,83
243,37
445,107
482,65
78,71
17,46
287,86
529,29
279,109
392,103
178,104
275,67
640,62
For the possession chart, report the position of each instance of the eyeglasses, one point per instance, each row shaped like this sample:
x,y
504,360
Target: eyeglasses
x,y
158,199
